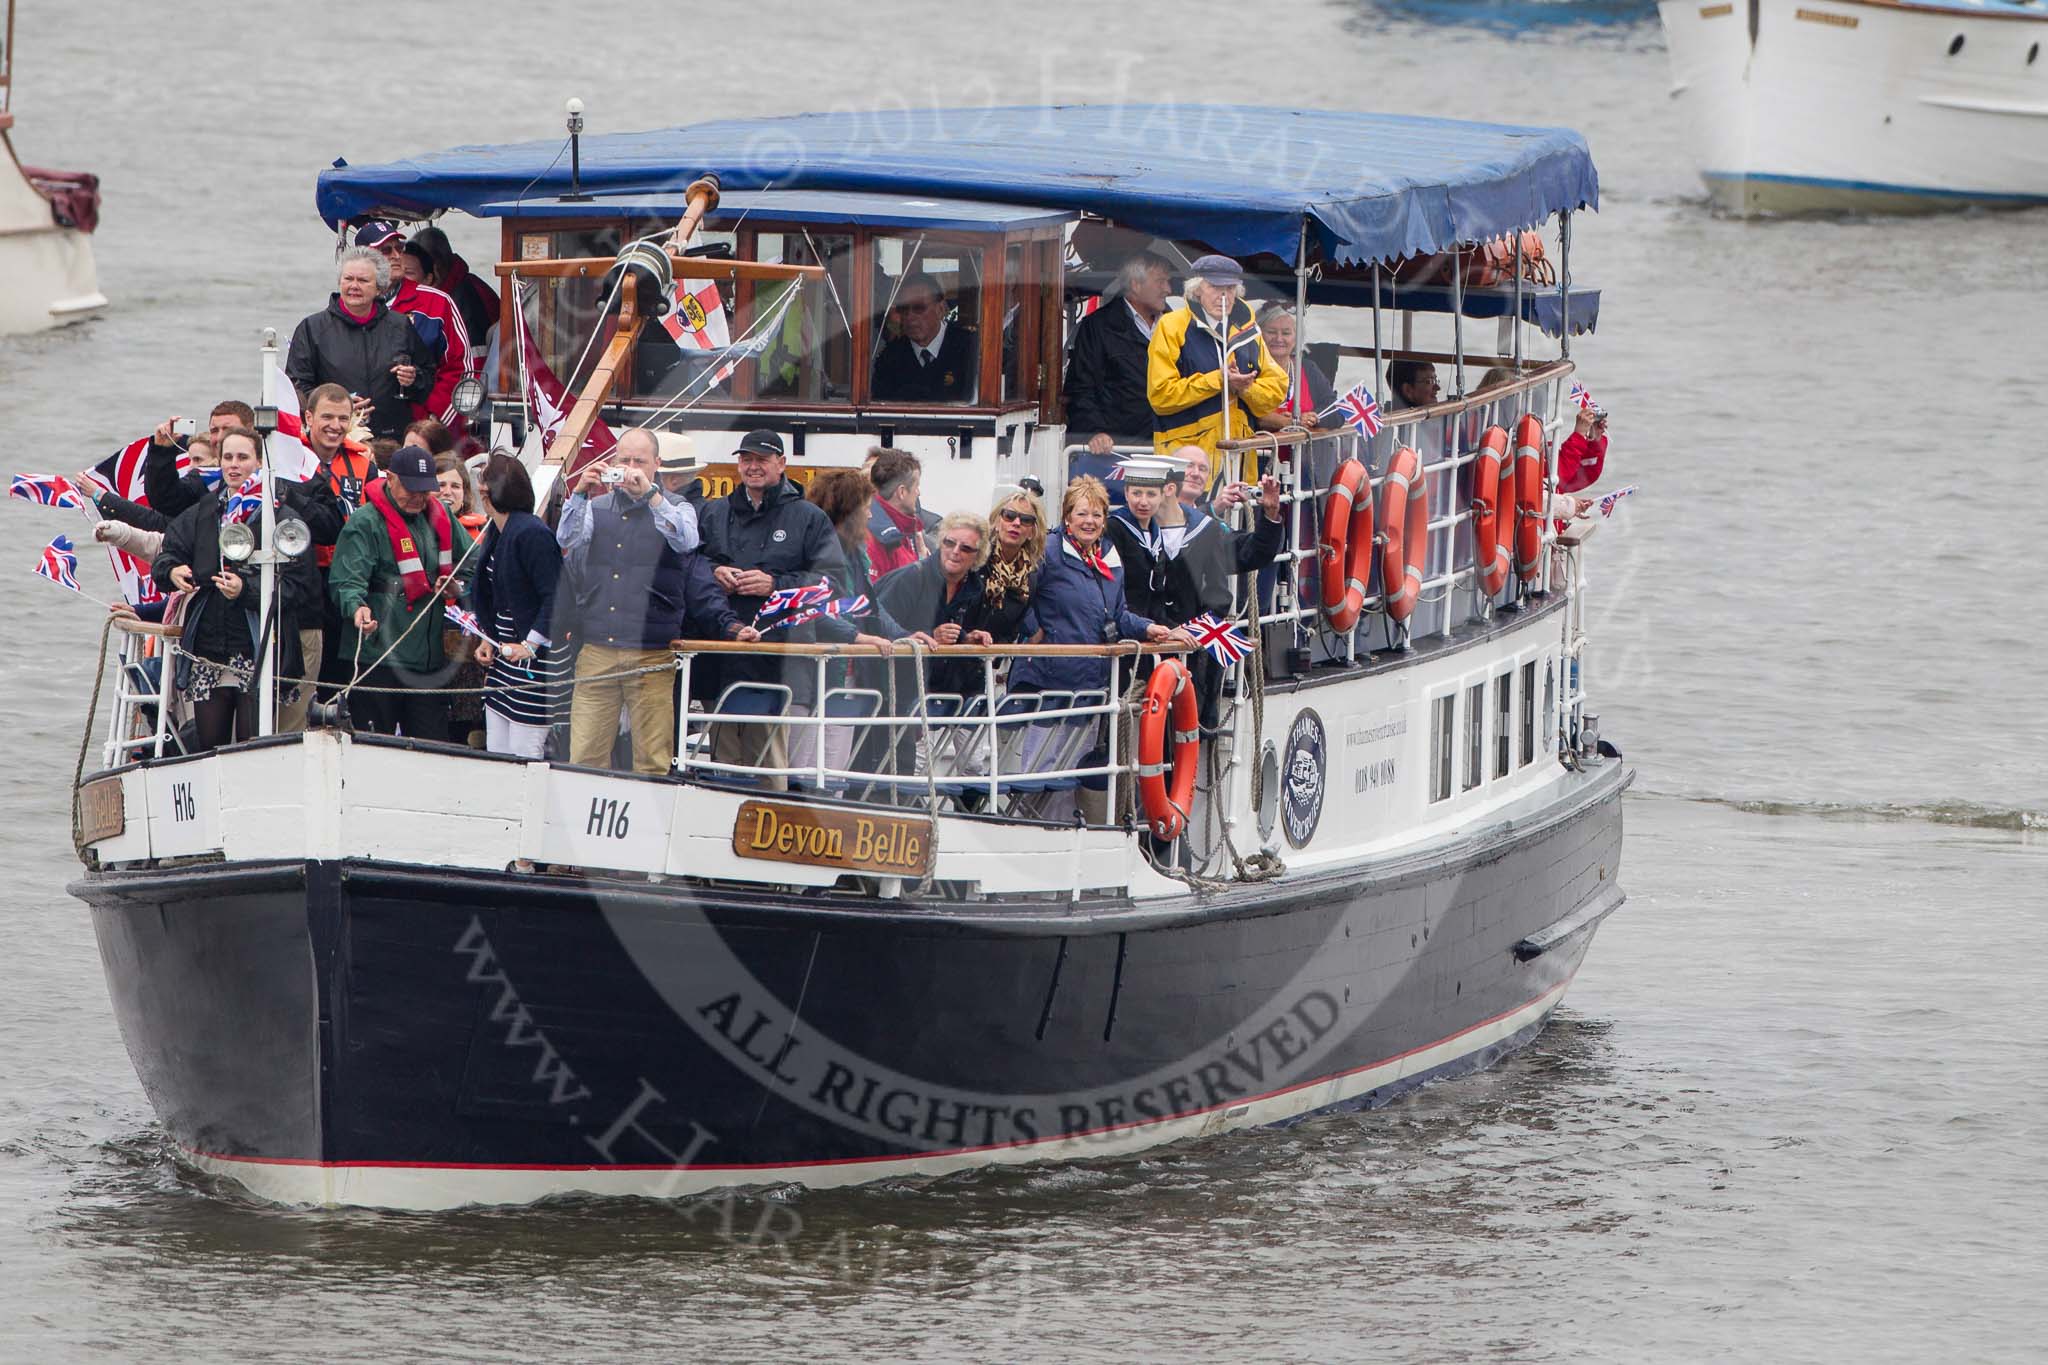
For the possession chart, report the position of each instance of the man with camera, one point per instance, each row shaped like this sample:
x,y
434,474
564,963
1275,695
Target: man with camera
x,y
637,585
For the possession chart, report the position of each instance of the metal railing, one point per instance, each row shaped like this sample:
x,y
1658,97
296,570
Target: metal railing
x,y
855,722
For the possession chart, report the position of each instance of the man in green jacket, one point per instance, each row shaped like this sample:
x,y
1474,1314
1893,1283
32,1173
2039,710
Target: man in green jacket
x,y
400,558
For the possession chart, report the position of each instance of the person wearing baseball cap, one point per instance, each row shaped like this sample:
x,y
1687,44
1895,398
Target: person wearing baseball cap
x,y
400,557
764,536
1208,345
432,313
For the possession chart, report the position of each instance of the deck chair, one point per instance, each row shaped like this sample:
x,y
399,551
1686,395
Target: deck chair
x,y
844,703
750,699
1061,748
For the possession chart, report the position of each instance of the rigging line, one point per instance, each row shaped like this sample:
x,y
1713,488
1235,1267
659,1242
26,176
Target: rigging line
x,y
440,585
831,285
707,376
896,288
520,198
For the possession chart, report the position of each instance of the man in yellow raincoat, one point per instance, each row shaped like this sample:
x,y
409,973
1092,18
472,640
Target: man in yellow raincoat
x,y
1186,367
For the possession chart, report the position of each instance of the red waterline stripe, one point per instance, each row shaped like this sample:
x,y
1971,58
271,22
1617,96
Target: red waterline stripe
x,y
861,1160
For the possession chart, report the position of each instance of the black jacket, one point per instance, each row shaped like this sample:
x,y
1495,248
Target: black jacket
x,y
915,595
794,543
215,627
170,493
950,378
1203,576
1105,382
521,568
330,347
1146,567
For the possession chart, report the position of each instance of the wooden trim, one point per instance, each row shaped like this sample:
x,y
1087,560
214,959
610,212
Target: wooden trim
x,y
685,268
568,442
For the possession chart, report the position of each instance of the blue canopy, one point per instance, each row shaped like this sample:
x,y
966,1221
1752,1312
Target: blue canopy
x,y
1242,180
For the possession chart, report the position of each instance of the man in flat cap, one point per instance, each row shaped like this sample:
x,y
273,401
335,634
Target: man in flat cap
x,y
1207,356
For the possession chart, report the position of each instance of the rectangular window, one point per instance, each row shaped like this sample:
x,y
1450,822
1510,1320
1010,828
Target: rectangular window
x,y
1441,732
925,335
1475,734
1503,723
1549,704
1528,713
796,334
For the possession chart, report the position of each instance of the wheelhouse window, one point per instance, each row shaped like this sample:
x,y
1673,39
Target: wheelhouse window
x,y
798,341
925,327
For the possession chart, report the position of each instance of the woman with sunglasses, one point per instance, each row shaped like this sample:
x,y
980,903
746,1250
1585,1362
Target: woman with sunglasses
x,y
1017,528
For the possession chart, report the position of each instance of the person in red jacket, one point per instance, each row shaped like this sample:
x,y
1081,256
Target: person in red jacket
x,y
431,312
896,533
1584,452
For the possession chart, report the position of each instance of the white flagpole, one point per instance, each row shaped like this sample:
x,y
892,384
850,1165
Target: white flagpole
x,y
266,681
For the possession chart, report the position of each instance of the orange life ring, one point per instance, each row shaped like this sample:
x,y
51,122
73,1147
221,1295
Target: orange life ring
x,y
1347,522
1404,547
1492,495
1168,791
1529,445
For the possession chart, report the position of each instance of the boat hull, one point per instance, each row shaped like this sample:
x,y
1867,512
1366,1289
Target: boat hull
x,y
47,275
1845,106
350,1032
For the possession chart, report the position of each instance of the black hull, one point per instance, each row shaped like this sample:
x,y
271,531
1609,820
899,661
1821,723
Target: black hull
x,y
364,1033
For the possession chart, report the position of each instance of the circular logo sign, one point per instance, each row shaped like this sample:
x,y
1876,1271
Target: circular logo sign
x,y
1301,778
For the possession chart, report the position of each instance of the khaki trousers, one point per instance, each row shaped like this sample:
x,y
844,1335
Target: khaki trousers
x,y
292,715
648,698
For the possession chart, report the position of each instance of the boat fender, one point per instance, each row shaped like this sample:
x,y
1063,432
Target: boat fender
x,y
1347,523
1167,791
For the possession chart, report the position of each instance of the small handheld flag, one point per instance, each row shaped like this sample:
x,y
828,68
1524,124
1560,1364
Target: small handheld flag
x,y
48,490
1360,409
466,620
246,503
844,606
1580,394
1607,503
59,564
792,599
1224,641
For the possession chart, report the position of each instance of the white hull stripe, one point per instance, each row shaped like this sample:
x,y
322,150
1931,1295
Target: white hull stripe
x,y
422,1185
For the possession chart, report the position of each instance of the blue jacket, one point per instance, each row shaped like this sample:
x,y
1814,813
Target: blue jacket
x,y
1073,604
522,565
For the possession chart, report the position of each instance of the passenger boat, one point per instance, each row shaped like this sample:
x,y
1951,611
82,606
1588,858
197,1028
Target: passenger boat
x,y
1800,106
367,971
46,221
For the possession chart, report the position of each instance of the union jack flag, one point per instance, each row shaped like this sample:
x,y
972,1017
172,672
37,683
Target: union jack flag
x,y
246,503
48,490
1360,409
121,474
792,599
1580,394
466,620
844,606
1607,503
59,564
1224,641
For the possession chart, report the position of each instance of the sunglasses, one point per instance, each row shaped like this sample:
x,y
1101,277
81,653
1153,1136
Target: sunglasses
x,y
1021,518
954,545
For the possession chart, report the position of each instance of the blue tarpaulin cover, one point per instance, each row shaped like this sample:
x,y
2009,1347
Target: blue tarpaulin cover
x,y
1242,180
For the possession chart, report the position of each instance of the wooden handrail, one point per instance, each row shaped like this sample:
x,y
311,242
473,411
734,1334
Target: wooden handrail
x,y
1120,649
1268,440
134,626
682,267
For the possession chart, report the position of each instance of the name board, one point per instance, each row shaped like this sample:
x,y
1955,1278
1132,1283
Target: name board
x,y
102,811
887,845
721,479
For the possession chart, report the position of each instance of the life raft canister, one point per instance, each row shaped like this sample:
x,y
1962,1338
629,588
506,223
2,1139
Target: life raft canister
x,y
1167,792
1404,544
1347,523
1493,496
1528,523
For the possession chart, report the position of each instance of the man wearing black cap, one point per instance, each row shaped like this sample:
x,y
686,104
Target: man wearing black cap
x,y
764,536
1208,344
400,557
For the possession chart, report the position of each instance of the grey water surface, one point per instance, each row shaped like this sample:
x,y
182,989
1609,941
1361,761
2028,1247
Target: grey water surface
x,y
1794,1107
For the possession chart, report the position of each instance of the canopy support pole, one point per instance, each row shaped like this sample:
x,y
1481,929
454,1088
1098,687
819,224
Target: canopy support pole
x,y
1379,379
1564,283
1304,478
1518,305
1458,319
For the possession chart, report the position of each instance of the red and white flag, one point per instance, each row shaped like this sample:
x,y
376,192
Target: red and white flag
x,y
121,475
290,456
549,403
697,322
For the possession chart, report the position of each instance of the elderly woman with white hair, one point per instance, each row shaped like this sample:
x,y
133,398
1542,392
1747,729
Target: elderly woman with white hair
x,y
1203,348
360,344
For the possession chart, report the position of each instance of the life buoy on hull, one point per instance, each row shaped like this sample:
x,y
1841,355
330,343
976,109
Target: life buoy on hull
x,y
1167,791
1347,546
1493,499
1404,544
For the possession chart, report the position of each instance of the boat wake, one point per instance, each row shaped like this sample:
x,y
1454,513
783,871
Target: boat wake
x,y
1963,814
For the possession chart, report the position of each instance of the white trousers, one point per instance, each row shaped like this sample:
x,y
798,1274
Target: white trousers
x,y
502,736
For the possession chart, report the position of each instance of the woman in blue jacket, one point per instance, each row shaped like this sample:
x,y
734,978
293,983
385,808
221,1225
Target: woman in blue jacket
x,y
1079,600
515,601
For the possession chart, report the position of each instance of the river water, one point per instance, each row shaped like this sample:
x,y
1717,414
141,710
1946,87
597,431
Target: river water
x,y
1794,1107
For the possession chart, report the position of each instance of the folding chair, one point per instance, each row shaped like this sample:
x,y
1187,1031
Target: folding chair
x,y
767,701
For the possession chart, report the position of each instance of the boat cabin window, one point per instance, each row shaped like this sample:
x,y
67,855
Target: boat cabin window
x,y
1443,729
798,339
1503,722
1475,735
1528,713
925,326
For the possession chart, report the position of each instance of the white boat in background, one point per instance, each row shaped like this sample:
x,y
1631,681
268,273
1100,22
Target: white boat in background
x,y
47,276
1801,106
